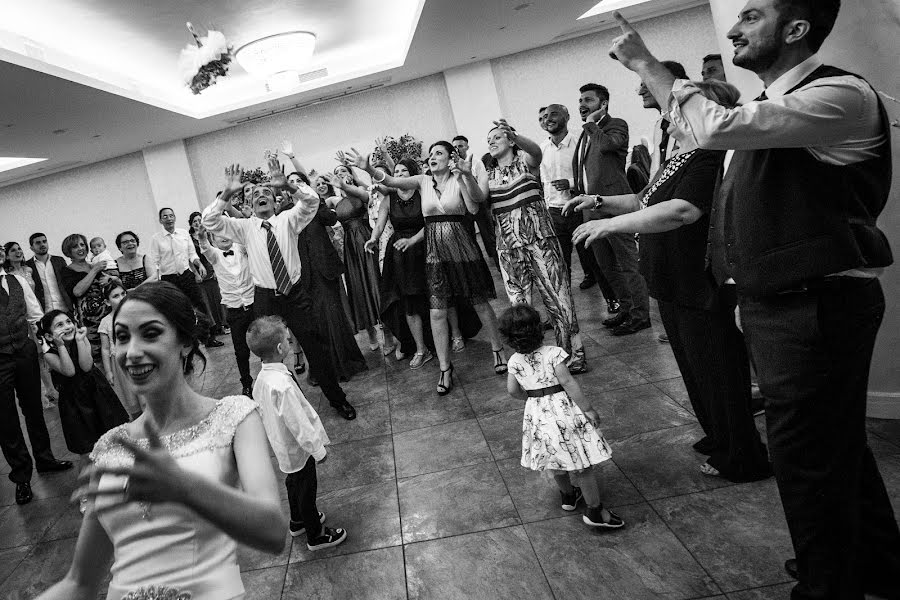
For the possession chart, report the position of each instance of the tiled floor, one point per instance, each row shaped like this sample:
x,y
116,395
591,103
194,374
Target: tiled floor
x,y
437,506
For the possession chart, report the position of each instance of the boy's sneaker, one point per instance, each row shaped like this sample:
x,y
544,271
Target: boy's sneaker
x,y
329,538
570,501
594,518
299,529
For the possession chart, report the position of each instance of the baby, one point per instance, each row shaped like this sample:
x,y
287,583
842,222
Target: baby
x,y
99,253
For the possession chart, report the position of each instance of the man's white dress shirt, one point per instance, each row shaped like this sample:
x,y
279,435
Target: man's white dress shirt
x,y
835,119
286,226
557,164
172,253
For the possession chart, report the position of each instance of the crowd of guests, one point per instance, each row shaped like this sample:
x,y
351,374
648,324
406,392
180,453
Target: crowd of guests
x,y
752,228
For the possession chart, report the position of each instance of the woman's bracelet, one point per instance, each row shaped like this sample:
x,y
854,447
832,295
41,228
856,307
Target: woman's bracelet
x,y
375,177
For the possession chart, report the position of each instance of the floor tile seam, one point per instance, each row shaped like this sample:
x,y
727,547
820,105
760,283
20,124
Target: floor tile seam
x,y
487,460
538,559
728,485
886,440
639,433
397,487
456,535
18,564
316,557
687,549
435,425
760,587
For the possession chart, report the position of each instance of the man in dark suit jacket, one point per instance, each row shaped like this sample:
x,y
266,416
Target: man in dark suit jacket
x,y
46,271
599,170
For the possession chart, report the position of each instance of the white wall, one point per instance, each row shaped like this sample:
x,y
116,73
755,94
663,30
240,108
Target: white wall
x,y
419,107
102,199
553,74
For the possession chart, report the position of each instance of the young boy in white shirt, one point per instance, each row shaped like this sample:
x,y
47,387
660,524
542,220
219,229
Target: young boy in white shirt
x,y
294,431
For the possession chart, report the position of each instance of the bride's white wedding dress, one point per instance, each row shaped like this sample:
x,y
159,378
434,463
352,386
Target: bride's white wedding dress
x,y
168,544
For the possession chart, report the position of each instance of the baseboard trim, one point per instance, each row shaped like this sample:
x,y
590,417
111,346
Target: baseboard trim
x,y
883,405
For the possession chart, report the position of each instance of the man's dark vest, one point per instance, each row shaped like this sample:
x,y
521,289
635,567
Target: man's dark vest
x,y
13,325
783,218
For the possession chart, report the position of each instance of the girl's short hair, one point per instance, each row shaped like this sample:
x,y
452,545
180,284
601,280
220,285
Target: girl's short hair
x,y
521,328
170,302
69,242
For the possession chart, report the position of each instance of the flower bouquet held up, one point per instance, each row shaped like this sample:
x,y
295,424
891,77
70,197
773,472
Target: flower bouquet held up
x,y
203,62
157,593
407,145
257,176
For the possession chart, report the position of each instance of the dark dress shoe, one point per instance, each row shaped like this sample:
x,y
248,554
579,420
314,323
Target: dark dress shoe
x,y
23,493
587,284
345,410
612,306
55,466
704,445
615,320
214,343
631,327
790,567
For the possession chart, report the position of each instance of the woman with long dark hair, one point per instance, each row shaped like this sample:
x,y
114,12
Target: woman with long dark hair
x,y
173,492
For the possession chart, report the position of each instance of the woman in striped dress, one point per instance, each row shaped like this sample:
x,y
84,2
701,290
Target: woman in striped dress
x,y
529,252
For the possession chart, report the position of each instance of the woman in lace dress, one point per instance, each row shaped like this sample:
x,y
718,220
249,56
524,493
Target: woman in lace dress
x,y
173,492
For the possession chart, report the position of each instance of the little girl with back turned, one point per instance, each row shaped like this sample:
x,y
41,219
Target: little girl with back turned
x,y
561,430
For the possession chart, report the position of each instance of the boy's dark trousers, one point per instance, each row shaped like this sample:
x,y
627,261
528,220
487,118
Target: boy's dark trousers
x,y
301,488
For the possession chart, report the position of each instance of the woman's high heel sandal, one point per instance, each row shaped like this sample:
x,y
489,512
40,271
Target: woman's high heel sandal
x,y
445,384
499,362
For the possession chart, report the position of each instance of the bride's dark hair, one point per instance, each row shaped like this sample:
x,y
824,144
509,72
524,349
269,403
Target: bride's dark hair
x,y
171,303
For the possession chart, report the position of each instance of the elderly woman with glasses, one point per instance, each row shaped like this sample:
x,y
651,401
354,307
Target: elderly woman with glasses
x,y
134,268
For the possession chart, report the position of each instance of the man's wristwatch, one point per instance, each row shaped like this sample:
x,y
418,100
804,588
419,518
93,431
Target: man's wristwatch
x,y
598,202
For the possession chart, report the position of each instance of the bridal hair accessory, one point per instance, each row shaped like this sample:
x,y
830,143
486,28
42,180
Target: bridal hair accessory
x,y
210,57
155,592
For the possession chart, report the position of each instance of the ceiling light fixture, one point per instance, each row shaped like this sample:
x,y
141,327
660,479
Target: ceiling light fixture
x,y
278,58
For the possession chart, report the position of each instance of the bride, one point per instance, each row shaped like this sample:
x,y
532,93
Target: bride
x,y
172,492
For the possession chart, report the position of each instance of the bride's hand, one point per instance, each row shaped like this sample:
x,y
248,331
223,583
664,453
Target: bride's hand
x,y
155,476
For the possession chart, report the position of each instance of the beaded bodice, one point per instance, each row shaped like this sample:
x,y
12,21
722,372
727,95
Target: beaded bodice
x,y
216,430
167,543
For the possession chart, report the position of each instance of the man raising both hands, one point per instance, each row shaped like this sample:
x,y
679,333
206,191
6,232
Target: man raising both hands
x,y
271,243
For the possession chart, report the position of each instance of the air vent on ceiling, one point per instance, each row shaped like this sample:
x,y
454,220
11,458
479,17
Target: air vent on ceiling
x,y
39,172
277,111
307,77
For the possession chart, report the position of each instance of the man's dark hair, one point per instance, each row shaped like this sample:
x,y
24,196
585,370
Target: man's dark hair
x,y
165,209
600,90
676,69
710,57
542,109
34,236
821,15
461,137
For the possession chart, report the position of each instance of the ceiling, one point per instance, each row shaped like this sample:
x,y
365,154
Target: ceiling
x,y
98,78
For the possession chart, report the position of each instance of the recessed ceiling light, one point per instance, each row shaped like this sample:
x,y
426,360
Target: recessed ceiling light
x,y
501,28
522,6
605,6
95,136
59,131
9,162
